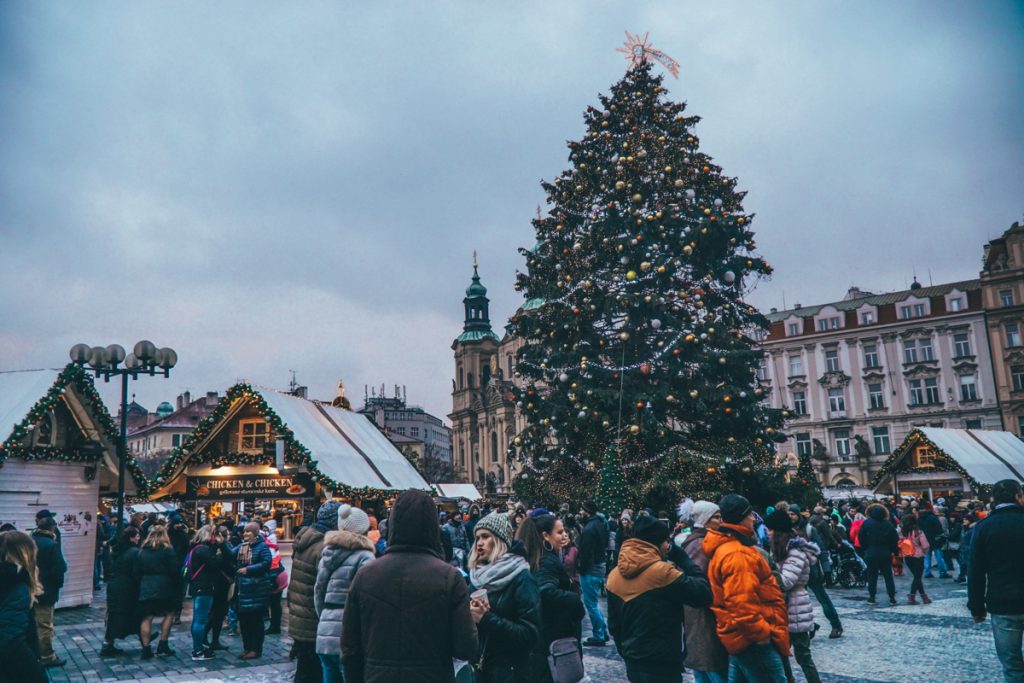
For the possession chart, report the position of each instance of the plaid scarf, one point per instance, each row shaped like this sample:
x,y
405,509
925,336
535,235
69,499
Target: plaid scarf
x,y
245,554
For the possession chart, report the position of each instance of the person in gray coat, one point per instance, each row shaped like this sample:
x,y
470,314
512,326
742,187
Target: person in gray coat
x,y
345,551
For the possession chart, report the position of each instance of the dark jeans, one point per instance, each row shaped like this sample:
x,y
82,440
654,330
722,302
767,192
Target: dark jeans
x,y
642,677
916,567
201,605
332,668
21,663
1008,631
880,565
801,643
757,664
817,586
218,611
250,624
275,612
308,668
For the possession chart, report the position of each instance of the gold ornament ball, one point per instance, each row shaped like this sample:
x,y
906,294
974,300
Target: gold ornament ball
x,y
634,429
645,266
624,336
638,198
620,185
519,441
732,439
694,393
679,183
631,275
606,424
687,250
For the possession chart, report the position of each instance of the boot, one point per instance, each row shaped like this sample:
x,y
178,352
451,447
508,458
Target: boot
x,y
925,599
911,599
147,652
110,650
164,649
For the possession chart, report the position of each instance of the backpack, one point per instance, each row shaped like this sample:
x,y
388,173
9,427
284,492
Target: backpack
x,y
186,568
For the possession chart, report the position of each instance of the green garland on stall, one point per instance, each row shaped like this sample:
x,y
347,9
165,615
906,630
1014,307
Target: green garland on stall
x,y
77,377
295,452
941,458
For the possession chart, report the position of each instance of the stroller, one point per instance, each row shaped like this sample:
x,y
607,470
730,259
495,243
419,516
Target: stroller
x,y
848,569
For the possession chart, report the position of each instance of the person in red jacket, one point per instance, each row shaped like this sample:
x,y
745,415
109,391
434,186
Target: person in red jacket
x,y
750,611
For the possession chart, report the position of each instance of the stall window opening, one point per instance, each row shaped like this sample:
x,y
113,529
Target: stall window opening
x,y
252,435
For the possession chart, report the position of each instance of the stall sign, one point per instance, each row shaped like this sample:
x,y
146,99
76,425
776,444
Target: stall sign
x,y
250,486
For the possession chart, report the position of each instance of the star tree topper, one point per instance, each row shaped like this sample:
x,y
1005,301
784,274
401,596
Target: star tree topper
x,y
637,50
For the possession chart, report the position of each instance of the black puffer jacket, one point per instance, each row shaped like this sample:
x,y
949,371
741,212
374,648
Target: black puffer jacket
x,y
51,565
510,631
209,567
996,575
123,592
561,605
159,574
15,603
879,539
593,545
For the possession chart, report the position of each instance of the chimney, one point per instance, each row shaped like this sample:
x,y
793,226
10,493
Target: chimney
x,y
211,398
797,307
774,310
186,399
300,392
180,402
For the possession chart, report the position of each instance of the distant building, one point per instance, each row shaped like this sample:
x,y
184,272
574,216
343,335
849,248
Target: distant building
x,y
1002,283
858,375
396,417
152,436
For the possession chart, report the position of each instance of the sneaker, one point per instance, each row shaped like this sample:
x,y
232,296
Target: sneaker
x,y
110,650
836,633
892,602
202,655
595,642
871,600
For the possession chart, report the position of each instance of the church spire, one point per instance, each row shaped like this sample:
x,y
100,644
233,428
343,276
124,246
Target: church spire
x,y
477,324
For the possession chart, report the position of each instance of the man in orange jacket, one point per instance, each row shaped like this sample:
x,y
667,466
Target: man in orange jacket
x,y
749,608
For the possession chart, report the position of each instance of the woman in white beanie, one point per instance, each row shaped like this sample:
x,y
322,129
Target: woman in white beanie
x,y
508,617
705,655
345,551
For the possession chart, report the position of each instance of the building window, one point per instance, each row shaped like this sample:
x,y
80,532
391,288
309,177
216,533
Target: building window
x,y
876,396
799,403
175,440
925,348
793,329
803,443
400,430
916,392
796,366
1006,297
880,437
836,401
910,351
469,379
511,368
252,434
1012,334
968,388
911,311
1017,375
961,345
918,310
1020,426
931,390
414,432
870,356
842,439
832,361
762,371
972,424
867,317
924,456
494,447
826,324
956,304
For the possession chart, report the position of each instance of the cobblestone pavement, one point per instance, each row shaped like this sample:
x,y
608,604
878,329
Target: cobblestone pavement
x,y
924,644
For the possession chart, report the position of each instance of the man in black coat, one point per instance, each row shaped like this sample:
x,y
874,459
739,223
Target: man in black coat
x,y
52,567
646,596
995,581
932,528
591,562
407,613
880,541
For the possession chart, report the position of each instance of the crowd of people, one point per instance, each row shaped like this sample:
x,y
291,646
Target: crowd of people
x,y
721,589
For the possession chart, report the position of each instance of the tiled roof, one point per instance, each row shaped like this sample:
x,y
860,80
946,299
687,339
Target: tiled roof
x,y
878,299
476,335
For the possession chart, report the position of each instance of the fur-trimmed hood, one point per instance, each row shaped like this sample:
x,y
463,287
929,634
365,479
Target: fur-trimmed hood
x,y
346,540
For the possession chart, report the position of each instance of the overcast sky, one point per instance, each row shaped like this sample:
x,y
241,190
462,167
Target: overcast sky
x,y
269,187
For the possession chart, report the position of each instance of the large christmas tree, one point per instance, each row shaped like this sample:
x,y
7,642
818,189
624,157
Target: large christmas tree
x,y
635,328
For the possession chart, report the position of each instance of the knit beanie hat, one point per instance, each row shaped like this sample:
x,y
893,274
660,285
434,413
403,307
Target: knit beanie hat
x,y
779,521
703,510
650,529
498,524
734,508
271,525
590,506
328,514
353,519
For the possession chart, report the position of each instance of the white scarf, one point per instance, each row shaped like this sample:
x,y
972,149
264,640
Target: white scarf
x,y
496,575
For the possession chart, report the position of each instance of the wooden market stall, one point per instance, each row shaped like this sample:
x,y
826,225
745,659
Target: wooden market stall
x,y
940,463
59,452
231,465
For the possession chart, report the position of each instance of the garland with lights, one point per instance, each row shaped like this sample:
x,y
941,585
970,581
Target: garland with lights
x,y
942,462
295,452
641,337
81,381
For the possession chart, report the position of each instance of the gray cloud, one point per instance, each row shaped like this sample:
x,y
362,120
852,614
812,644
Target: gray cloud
x,y
269,187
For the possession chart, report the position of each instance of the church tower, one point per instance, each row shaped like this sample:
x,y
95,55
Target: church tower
x,y
476,364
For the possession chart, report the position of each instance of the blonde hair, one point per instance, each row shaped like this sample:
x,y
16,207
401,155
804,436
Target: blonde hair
x,y
203,534
497,551
157,538
19,548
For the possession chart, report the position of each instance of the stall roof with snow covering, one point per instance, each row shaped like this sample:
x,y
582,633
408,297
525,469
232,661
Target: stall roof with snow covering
x,y
466,491
341,449
984,456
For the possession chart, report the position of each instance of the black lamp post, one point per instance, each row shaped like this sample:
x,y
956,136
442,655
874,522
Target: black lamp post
x,y
146,359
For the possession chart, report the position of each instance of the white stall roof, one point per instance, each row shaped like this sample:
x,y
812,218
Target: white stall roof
x,y
19,391
347,446
988,456
467,491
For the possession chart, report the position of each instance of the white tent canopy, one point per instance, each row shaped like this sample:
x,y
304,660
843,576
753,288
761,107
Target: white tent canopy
x,y
347,447
466,491
988,456
19,392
